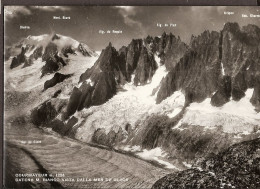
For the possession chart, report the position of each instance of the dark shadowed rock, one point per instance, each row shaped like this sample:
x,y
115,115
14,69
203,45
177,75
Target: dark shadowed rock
x,y
55,37
255,100
104,89
83,50
67,50
146,67
86,51
187,74
235,167
240,56
50,51
189,144
43,114
17,61
86,96
56,125
53,64
50,67
108,139
99,83
37,53
56,94
108,61
223,93
57,78
47,111
133,53
171,50
231,53
122,65
14,63
53,61
73,103
61,128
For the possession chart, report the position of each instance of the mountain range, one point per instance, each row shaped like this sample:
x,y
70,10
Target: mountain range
x,y
157,98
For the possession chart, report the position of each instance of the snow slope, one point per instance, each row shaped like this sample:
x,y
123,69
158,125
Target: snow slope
x,y
234,116
45,39
29,78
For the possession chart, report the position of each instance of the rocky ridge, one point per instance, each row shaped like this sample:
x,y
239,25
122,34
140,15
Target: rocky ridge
x,y
231,62
235,167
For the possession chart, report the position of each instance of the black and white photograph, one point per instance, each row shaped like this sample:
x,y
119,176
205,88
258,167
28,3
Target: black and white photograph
x,y
131,97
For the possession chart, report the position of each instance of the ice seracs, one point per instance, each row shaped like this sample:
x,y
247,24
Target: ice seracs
x,y
135,104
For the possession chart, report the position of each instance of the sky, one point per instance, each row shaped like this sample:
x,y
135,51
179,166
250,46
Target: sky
x,y
135,22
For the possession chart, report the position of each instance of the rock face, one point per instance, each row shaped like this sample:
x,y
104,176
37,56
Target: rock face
x,y
57,78
63,128
240,56
85,50
188,75
50,51
53,61
133,53
46,112
17,61
171,49
146,67
255,100
37,53
53,64
235,167
73,103
99,83
224,63
110,139
67,50
223,93
188,143
28,61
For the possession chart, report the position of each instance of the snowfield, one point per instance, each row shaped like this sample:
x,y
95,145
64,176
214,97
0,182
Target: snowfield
x,y
29,78
235,116
156,154
45,39
25,79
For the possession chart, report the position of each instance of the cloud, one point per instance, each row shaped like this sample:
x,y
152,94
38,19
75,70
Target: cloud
x,y
127,12
13,11
51,8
